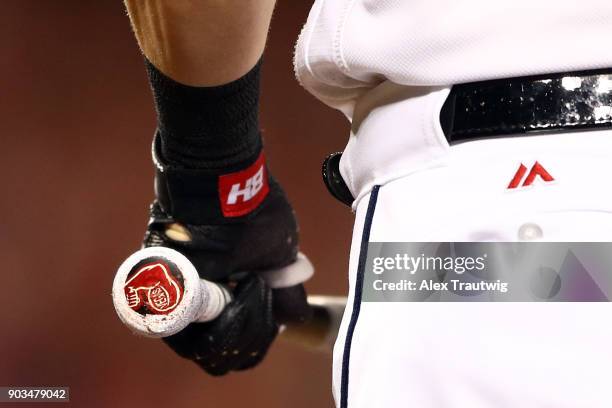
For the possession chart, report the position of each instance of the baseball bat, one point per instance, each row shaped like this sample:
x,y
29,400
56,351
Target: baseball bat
x,y
157,292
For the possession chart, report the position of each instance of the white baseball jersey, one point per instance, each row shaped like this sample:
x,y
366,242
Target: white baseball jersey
x,y
388,65
347,47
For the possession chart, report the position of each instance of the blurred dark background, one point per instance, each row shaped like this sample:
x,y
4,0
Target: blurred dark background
x,y
76,121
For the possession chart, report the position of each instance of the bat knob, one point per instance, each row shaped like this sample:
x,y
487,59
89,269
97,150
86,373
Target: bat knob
x,y
157,292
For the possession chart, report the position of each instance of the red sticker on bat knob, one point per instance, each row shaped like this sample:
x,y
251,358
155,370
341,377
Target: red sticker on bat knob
x,y
153,288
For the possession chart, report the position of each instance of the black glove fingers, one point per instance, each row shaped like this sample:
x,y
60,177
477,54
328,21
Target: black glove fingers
x,y
250,294
290,305
220,346
182,342
257,348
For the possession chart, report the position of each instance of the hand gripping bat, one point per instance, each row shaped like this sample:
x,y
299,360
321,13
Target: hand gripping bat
x,y
157,292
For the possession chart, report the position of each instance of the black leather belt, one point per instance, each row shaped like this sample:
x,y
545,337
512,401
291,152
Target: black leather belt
x,y
522,106
528,105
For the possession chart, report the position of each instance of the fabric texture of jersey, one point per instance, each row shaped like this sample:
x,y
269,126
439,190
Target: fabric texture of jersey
x,y
348,47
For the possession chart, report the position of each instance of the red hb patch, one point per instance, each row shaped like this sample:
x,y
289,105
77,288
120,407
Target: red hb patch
x,y
241,192
152,289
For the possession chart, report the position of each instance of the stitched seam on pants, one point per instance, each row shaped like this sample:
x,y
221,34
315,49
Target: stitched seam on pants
x,y
363,254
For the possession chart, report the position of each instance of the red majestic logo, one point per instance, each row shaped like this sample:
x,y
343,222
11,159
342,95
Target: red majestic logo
x,y
153,286
537,170
241,192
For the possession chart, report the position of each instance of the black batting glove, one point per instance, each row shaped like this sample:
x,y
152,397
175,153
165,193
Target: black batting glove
x,y
233,227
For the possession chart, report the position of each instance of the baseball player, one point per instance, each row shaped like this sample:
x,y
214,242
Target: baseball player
x,y
471,121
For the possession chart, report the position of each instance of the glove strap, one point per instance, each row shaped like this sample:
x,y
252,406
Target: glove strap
x,y
200,196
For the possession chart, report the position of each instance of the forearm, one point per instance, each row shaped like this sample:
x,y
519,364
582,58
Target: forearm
x,y
201,57
201,42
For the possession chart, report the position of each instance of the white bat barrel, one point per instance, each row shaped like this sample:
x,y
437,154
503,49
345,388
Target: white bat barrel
x,y
157,292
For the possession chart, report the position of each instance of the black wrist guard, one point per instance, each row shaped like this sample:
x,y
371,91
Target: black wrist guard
x,y
202,196
212,128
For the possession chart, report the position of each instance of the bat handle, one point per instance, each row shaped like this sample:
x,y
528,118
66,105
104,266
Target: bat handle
x,y
214,299
157,292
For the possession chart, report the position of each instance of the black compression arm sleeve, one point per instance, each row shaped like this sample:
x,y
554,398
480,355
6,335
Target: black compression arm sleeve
x,y
208,128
